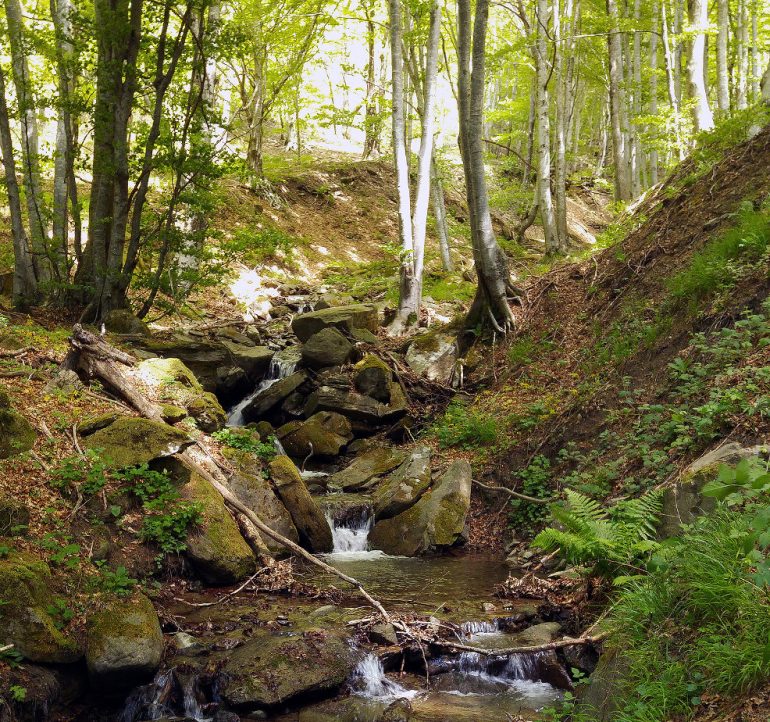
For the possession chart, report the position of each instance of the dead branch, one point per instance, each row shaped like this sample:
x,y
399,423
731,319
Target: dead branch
x,y
6,353
226,596
559,644
517,494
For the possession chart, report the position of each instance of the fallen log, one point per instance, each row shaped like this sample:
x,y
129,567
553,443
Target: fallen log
x,y
548,646
94,357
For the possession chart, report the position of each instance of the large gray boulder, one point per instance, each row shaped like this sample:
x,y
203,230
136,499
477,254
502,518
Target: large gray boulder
x,y
435,522
307,516
269,399
363,411
434,355
404,486
373,377
328,347
684,501
272,670
366,468
344,318
124,643
323,434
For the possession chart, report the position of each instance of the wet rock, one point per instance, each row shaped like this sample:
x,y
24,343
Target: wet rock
x,y
124,643
173,382
433,355
373,377
254,360
367,467
537,635
383,634
363,411
273,670
328,347
130,441
16,433
323,434
581,656
122,321
24,619
398,711
231,382
215,548
344,318
436,521
48,691
404,486
307,516
251,487
14,516
269,399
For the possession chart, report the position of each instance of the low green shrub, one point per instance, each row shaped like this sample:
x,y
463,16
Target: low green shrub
x,y
465,427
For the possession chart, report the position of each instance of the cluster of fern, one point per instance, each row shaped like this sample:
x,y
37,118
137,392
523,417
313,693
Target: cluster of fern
x,y
614,542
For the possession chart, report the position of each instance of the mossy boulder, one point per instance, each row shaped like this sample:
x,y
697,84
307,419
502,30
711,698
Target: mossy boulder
x,y
251,487
367,467
123,321
24,620
273,670
254,360
373,377
435,522
215,547
124,643
268,400
175,384
130,441
328,347
16,433
344,318
363,411
403,487
308,518
323,434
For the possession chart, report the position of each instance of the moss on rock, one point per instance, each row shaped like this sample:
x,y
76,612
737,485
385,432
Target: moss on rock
x,y
16,433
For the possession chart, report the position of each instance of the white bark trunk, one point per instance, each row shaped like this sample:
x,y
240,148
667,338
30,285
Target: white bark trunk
x,y
742,70
723,73
547,213
653,109
617,105
699,21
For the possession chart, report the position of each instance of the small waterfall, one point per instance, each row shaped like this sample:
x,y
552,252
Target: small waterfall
x,y
369,680
283,364
165,698
470,629
504,669
351,535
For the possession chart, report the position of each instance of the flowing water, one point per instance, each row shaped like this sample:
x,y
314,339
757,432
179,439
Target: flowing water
x,y
283,364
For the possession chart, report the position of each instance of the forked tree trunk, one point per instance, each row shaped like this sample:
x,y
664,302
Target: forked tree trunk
x,y
490,304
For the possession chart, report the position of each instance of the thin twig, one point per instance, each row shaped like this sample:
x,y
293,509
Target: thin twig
x,y
226,596
518,495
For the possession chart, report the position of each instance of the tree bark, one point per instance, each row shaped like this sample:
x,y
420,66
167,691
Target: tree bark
x,y
673,99
490,304
702,116
617,105
742,33
653,102
25,291
723,72
562,119
439,211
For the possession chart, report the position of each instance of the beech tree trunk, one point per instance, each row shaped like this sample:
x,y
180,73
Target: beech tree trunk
x,y
742,70
723,72
673,98
439,211
36,211
699,21
490,304
618,105
25,291
653,102
562,120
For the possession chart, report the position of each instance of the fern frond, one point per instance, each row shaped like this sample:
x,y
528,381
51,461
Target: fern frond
x,y
584,507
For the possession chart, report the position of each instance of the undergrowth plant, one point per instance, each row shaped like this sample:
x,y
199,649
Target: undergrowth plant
x,y
245,439
465,427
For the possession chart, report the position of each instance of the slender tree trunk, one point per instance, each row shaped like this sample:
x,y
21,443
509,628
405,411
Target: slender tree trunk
x,y
562,120
653,102
704,120
545,200
637,164
371,118
673,99
617,105
490,303
412,263
742,32
25,291
723,73
756,71
439,211
29,140
766,85
531,129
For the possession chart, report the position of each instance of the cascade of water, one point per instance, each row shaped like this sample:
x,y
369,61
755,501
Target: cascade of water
x,y
351,535
486,626
283,364
192,705
151,701
369,680
512,667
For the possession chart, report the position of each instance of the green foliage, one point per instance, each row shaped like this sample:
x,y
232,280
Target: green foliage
x,y
246,440
146,483
696,625
724,260
60,612
87,473
63,552
535,481
464,427
18,693
116,582
612,540
254,246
